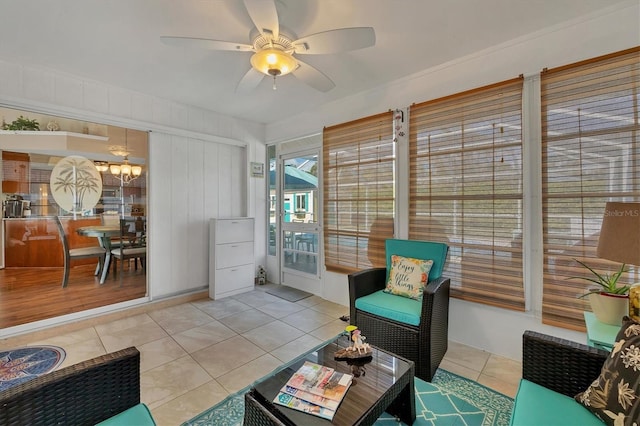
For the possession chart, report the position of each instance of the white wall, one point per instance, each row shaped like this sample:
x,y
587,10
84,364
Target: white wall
x,y
193,181
493,329
198,164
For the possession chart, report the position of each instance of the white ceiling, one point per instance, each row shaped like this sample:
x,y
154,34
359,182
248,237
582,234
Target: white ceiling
x,y
118,42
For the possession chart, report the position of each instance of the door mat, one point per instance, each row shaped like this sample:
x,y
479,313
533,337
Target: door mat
x,y
449,400
288,293
23,364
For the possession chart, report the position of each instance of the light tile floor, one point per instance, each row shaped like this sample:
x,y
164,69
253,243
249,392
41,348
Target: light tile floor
x,y
196,353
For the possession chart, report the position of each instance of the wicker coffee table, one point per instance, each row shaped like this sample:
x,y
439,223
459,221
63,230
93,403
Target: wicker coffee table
x,y
387,385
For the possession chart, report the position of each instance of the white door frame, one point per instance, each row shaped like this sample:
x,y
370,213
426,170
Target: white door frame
x,y
294,253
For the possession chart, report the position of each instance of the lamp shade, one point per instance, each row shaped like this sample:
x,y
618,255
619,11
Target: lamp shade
x,y
620,233
273,62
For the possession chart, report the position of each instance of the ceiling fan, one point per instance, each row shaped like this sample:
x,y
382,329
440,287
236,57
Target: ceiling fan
x,y
274,49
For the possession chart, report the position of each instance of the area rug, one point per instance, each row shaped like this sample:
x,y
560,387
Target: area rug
x,y
288,293
449,400
453,400
23,364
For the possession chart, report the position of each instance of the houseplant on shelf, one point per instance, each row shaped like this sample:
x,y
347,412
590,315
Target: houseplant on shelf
x,y
609,302
21,123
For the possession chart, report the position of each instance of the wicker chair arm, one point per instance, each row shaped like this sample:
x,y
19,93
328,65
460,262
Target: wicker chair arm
x,y
439,284
365,282
82,394
436,293
558,364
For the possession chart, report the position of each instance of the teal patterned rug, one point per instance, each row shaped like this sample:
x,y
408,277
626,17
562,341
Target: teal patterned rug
x,y
449,400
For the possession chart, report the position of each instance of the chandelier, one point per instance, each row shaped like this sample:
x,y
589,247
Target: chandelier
x,y
125,172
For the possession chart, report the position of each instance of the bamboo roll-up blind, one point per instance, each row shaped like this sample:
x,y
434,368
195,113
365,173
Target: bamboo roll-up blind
x,y
590,155
466,189
358,190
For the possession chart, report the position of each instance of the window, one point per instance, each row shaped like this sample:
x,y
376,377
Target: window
x,y
465,189
359,195
590,155
301,201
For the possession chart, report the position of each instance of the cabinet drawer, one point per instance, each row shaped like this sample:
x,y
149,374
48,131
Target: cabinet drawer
x,y
233,254
233,230
231,279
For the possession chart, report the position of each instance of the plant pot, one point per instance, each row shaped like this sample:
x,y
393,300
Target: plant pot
x,y
609,308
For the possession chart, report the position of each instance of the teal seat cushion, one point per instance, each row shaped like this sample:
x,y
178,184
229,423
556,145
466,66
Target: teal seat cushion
x,y
536,405
397,308
138,415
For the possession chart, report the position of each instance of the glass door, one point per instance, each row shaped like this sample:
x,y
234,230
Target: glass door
x,y
299,215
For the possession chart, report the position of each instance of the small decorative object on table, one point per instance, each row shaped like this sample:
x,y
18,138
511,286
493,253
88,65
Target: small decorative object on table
x,y
358,349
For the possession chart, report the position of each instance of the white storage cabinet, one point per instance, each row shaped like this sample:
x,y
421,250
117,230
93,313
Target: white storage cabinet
x,y
231,260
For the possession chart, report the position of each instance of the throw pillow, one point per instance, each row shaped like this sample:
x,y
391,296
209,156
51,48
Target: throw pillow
x,y
614,397
408,276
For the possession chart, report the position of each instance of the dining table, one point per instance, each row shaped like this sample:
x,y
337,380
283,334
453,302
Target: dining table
x,y
104,234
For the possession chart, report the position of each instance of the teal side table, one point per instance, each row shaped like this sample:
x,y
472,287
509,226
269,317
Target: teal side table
x,y
600,335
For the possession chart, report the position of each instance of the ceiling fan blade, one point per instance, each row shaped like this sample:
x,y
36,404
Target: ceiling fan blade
x,y
313,77
250,81
334,41
205,43
264,15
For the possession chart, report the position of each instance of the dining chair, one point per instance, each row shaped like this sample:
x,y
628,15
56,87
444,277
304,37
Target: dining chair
x,y
113,219
70,254
137,249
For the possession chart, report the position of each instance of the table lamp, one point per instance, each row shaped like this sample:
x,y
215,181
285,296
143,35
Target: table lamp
x,y
620,241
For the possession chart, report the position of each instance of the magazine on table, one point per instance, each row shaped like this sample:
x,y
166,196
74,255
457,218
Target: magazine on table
x,y
315,389
301,405
320,380
312,398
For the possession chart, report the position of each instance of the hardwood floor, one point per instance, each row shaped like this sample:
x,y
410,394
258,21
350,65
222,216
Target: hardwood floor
x,y
33,294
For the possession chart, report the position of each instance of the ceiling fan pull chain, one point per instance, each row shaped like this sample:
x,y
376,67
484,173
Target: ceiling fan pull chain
x,y
274,83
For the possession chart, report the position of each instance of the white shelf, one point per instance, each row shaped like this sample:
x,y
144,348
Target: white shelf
x,y
21,134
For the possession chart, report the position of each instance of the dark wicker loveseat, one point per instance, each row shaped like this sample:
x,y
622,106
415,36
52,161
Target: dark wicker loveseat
x,y
82,394
554,370
558,364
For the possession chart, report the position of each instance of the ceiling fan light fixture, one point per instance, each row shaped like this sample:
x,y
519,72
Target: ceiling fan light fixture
x,y
273,62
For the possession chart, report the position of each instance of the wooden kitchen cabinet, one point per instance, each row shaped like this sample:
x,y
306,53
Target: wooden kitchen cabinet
x,y
15,172
35,242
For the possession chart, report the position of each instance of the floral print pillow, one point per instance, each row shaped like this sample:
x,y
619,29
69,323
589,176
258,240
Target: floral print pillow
x,y
408,276
615,395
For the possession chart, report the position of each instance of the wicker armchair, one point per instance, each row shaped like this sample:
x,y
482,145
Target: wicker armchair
x,y
426,343
561,365
82,394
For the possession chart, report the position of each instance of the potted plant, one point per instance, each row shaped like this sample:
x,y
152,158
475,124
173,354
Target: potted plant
x,y
21,123
609,302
